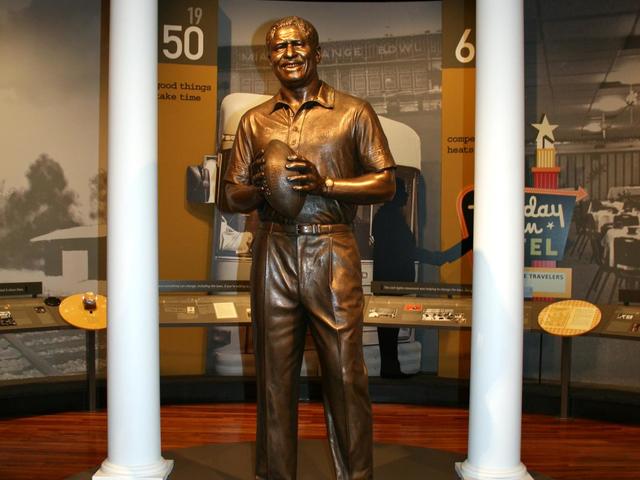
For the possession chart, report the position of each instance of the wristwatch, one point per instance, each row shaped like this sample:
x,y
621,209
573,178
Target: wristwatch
x,y
327,186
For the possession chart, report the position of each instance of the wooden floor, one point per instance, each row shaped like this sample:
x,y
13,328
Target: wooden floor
x,y
52,447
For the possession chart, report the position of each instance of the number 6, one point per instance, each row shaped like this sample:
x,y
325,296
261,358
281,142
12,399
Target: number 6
x,y
464,45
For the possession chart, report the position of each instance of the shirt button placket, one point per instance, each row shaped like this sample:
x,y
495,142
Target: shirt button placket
x,y
295,134
297,127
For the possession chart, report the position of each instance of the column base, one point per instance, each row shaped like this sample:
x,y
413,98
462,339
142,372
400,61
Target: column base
x,y
155,471
466,471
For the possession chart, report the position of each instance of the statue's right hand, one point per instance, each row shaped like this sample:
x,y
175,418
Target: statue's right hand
x,y
257,173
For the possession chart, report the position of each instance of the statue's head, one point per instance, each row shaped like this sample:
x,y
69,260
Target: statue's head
x,y
294,51
308,31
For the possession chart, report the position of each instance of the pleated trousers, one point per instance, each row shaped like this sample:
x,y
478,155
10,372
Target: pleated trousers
x,y
315,282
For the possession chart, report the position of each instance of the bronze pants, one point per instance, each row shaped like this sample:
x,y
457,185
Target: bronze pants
x,y
314,281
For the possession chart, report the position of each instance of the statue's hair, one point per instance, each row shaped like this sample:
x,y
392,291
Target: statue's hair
x,y
306,28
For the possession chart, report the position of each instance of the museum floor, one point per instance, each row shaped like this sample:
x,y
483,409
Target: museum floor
x,y
59,446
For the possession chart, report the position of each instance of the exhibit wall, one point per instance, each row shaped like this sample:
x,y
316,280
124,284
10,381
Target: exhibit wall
x,y
457,155
187,73
54,178
414,62
187,99
50,183
52,187
457,139
569,63
582,167
583,136
582,131
389,56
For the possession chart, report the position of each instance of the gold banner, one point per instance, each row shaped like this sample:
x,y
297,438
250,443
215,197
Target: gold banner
x,y
458,145
186,133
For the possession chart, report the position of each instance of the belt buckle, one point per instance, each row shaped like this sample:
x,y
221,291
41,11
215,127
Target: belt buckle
x,y
308,229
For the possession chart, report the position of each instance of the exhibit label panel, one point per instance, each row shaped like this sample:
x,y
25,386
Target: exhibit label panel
x,y
187,72
457,142
458,124
187,101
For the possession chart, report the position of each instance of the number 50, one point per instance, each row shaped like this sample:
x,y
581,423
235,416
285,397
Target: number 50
x,y
183,44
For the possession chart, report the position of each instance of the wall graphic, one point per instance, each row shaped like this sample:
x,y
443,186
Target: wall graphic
x,y
187,98
583,141
52,200
581,78
49,184
457,142
50,181
414,61
187,72
389,56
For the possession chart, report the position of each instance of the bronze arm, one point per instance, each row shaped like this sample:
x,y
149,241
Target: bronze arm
x,y
376,187
243,198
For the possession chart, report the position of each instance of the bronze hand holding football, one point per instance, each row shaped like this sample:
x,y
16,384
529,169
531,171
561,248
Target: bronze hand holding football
x,y
307,180
257,173
278,191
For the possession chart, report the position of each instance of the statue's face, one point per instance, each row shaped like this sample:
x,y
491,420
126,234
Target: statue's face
x,y
293,59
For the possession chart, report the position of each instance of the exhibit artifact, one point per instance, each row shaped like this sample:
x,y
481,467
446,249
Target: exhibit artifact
x,y
306,269
85,310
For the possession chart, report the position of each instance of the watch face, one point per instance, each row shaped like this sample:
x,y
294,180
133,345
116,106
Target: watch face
x,y
328,185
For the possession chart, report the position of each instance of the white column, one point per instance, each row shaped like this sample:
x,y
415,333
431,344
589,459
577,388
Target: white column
x,y
132,264
498,246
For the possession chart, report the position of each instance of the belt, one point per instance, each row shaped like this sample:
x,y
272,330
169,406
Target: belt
x,y
305,228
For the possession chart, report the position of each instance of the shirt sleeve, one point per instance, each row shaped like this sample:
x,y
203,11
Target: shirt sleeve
x,y
238,171
373,146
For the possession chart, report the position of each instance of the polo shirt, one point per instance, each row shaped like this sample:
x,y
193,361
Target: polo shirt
x,y
339,133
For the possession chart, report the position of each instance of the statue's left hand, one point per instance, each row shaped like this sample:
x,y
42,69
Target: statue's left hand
x,y
256,169
307,179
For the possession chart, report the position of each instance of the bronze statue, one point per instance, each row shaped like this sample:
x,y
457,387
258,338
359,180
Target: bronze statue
x,y
306,270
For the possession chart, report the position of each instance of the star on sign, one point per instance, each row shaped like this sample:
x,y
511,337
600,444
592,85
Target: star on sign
x,y
550,225
545,131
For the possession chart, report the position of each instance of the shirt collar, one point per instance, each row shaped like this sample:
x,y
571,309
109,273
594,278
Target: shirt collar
x,y
325,98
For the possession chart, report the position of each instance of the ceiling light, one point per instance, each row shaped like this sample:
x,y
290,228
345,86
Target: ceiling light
x,y
609,103
625,70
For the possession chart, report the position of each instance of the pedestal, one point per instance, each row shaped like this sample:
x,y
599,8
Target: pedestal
x,y
157,471
466,471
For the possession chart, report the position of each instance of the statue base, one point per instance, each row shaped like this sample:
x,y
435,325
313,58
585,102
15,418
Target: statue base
x,y
235,461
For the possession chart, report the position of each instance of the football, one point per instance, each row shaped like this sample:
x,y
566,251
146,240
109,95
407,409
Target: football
x,y
284,199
